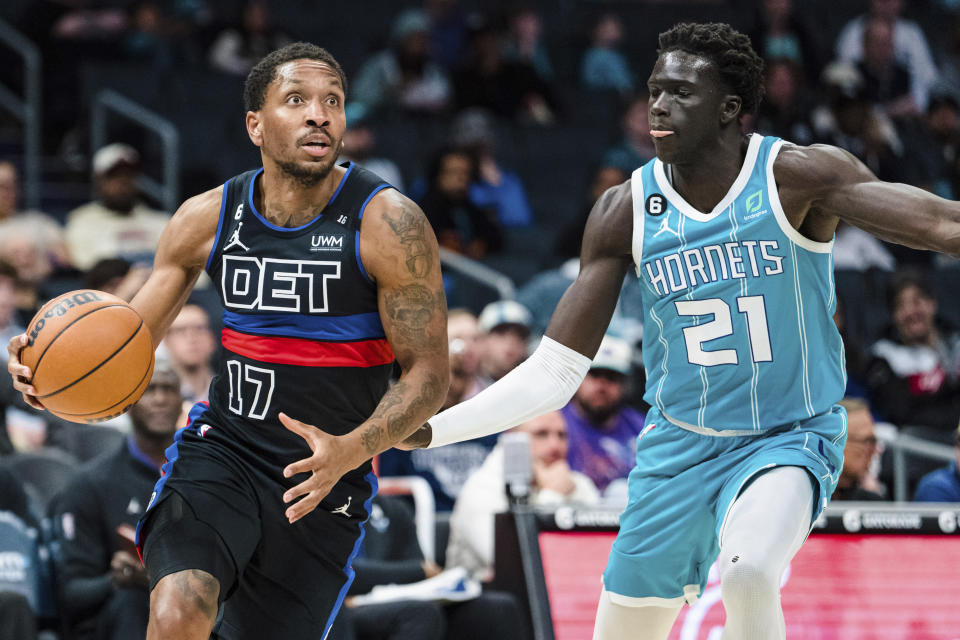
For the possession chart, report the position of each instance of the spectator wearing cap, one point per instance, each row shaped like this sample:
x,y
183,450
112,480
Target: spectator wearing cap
x,y
105,588
942,485
856,482
447,468
504,330
116,223
404,75
601,428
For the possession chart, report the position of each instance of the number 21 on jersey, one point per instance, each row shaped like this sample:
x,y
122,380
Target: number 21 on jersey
x,y
751,307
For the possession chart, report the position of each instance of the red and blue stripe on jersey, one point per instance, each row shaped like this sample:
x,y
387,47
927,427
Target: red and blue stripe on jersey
x,y
309,341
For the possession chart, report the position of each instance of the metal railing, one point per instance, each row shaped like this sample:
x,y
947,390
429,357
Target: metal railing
x,y
481,273
903,445
107,100
26,108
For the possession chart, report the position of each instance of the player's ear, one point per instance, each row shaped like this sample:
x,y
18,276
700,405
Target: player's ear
x,y
730,108
254,127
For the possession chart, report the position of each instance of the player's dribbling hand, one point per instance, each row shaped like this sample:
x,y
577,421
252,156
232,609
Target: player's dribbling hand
x,y
331,459
19,373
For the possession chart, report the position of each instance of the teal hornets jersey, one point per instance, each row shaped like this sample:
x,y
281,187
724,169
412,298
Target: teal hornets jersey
x,y
738,333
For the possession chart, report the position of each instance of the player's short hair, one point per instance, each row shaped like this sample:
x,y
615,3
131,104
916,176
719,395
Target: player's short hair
x,y
739,65
265,71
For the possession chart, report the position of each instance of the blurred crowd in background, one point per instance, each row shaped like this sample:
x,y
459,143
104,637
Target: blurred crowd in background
x,y
505,121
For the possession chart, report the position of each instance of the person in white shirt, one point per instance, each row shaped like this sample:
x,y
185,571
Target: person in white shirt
x,y
484,494
116,223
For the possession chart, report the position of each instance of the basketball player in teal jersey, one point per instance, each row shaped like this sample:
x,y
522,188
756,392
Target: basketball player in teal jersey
x,y
730,239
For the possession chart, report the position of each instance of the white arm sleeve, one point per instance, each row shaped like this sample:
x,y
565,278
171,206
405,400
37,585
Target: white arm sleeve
x,y
544,382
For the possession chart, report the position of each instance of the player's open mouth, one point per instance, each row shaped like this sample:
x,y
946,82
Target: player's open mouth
x,y
316,148
660,133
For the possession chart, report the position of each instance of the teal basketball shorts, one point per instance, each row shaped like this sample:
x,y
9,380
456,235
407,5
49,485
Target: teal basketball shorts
x,y
682,489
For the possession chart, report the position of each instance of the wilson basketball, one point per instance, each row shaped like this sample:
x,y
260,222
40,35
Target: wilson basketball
x,y
91,356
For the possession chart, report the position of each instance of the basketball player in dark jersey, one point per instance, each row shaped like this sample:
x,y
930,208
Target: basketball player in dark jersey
x,y
326,276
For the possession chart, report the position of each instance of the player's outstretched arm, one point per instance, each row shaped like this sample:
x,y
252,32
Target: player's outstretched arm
x,y
181,255
549,378
826,184
400,253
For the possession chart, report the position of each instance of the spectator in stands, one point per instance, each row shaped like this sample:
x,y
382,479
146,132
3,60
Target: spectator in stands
x,y
404,75
463,333
942,485
17,618
236,50
602,431
780,33
460,225
21,249
856,482
116,223
887,81
8,304
848,121
360,146
603,68
448,31
937,147
146,39
785,110
552,483
47,232
104,585
523,41
914,374
447,468
504,332
510,89
570,236
910,46
116,276
495,187
191,345
635,147
391,555
854,358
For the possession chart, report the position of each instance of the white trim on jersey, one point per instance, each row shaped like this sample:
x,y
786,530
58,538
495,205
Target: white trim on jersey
x,y
795,236
707,431
636,184
802,327
686,208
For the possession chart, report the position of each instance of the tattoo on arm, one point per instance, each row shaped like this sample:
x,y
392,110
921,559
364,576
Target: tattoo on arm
x,y
411,308
398,412
409,226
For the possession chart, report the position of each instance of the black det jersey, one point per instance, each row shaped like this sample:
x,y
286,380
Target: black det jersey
x,y
302,332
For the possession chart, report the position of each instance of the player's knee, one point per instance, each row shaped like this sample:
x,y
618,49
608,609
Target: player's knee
x,y
182,600
745,580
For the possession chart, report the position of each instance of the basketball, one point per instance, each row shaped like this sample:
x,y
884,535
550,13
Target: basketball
x,y
91,356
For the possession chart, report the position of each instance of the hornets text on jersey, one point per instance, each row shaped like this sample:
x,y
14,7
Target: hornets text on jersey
x,y
738,333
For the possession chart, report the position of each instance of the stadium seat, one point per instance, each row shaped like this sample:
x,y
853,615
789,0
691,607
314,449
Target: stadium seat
x,y
43,473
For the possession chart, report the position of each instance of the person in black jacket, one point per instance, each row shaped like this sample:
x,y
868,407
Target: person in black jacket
x,y
103,584
391,555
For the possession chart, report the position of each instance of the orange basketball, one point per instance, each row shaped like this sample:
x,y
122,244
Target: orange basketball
x,y
91,356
